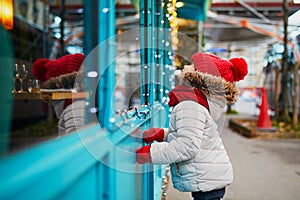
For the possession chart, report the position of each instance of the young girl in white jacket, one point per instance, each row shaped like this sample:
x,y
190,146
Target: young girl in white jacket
x,y
191,144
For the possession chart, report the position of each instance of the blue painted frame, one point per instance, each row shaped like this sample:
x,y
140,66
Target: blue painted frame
x,y
89,164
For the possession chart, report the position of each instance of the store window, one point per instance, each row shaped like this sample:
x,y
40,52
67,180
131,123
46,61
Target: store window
x,y
40,32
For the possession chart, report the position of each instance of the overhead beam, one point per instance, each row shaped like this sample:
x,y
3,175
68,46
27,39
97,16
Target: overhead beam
x,y
130,7
269,5
252,10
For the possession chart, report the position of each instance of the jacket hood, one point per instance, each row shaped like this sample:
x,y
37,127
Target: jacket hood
x,y
65,81
212,86
216,108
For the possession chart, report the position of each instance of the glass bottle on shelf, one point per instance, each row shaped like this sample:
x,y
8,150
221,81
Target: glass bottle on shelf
x,y
22,74
15,77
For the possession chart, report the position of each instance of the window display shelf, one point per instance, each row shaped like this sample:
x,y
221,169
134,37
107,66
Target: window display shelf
x,y
49,95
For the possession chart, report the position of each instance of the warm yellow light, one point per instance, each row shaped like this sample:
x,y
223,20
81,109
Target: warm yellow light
x,y
172,17
7,13
179,4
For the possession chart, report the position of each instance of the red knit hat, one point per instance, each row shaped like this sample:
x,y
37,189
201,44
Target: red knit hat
x,y
234,69
43,68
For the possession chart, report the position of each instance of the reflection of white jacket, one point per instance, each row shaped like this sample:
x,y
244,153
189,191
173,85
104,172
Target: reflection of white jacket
x,y
199,161
71,118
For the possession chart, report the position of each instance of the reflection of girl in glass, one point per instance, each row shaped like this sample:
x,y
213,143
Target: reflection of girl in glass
x,y
61,74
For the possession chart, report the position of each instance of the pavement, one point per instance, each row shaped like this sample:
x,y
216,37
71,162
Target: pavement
x,y
263,169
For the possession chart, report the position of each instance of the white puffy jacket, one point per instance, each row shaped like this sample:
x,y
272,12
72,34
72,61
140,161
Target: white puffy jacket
x,y
194,149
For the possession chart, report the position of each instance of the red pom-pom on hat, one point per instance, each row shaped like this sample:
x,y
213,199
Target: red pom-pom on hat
x,y
239,69
38,68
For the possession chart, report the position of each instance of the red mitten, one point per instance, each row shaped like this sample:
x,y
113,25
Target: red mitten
x,y
154,134
143,155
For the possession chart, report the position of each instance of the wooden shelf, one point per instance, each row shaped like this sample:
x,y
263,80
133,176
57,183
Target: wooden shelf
x,y
49,95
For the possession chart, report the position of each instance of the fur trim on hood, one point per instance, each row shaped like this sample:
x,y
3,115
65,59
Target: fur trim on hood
x,y
212,86
65,81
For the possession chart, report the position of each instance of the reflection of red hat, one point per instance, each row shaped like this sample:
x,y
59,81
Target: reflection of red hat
x,y
43,68
234,69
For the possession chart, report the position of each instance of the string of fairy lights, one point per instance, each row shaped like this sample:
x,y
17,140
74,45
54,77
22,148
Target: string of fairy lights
x,y
172,17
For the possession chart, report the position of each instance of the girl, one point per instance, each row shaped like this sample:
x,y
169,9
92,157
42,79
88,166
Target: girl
x,y
191,145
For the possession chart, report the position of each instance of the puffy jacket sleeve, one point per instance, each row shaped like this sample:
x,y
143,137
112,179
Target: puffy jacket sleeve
x,y
189,121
